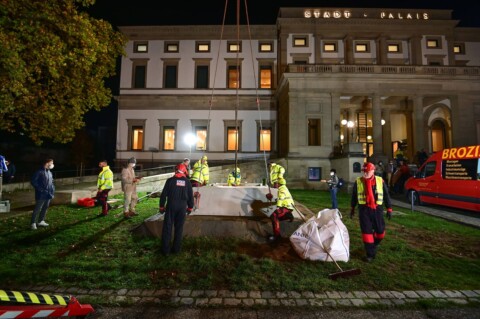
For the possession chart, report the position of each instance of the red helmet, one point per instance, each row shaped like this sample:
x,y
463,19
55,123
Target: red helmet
x,y
367,167
180,168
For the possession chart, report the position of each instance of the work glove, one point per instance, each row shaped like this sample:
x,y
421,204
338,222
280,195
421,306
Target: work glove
x,y
162,210
189,211
204,184
389,213
352,212
269,196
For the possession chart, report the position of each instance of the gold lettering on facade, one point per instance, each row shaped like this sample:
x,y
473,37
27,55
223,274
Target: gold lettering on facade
x,y
337,14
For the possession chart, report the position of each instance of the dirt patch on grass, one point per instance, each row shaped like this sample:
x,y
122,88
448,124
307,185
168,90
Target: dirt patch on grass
x,y
279,251
439,242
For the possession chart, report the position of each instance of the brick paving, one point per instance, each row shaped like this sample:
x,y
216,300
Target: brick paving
x,y
227,298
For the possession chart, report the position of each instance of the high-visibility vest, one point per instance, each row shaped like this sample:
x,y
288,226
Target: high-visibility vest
x,y
105,179
285,199
276,172
231,179
362,200
200,172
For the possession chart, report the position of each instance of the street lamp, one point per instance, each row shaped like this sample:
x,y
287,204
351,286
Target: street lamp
x,y
350,125
190,139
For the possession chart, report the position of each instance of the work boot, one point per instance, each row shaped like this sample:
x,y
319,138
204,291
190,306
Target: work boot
x,y
368,259
127,215
133,213
272,239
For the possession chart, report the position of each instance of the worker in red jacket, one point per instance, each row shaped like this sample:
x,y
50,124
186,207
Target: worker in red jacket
x,y
370,192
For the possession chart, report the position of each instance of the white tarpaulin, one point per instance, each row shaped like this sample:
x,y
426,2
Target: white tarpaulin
x,y
325,232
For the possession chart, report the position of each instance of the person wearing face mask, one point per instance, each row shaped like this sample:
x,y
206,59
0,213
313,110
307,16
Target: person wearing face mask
x,y
129,188
333,187
104,185
370,193
42,181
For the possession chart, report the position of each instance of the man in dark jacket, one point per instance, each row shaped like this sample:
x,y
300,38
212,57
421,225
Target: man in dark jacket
x,y
42,181
176,202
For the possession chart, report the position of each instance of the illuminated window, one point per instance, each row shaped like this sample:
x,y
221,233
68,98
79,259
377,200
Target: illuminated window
x,y
201,134
265,47
433,43
140,47
314,132
169,138
459,49
394,48
171,47
233,77
232,139
300,42
362,47
234,47
330,47
136,133
137,137
202,47
265,76
265,140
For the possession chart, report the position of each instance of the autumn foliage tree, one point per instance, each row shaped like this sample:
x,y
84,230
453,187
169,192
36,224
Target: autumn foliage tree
x,y
54,59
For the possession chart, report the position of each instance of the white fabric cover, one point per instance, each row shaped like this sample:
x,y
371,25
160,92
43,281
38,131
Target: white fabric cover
x,y
325,232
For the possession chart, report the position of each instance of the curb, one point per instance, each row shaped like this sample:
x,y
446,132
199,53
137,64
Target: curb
x,y
228,298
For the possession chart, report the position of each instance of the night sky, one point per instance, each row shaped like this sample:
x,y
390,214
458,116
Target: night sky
x,y
144,12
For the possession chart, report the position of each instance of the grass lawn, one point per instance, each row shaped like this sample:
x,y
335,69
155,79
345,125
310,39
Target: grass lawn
x,y
82,250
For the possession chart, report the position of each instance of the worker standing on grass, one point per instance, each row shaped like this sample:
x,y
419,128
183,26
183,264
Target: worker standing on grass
x,y
104,185
176,202
234,178
283,211
129,188
276,173
200,175
370,193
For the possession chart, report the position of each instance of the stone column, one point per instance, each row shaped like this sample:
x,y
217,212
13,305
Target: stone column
x,y
348,45
318,48
377,125
450,53
416,50
417,122
381,50
335,103
282,49
387,133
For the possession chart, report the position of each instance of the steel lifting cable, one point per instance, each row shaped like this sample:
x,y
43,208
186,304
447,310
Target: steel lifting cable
x,y
257,99
197,193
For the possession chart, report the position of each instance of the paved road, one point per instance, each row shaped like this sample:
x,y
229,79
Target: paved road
x,y
280,313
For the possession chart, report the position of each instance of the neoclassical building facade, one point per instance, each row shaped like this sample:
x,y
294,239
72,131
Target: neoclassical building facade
x,y
324,87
